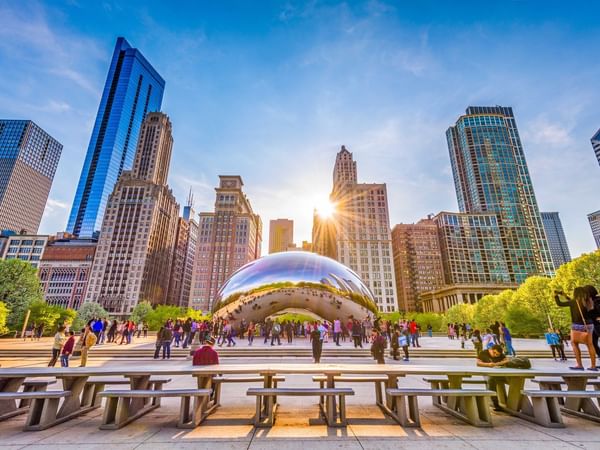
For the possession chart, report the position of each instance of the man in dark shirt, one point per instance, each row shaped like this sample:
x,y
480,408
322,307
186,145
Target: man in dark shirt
x,y
493,357
206,355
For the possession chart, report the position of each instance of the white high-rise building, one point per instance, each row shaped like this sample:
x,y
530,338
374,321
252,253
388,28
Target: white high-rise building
x,y
363,236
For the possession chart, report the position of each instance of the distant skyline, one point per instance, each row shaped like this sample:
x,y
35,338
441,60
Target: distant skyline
x,y
271,90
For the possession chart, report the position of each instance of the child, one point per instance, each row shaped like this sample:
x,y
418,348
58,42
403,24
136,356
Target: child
x,y
67,350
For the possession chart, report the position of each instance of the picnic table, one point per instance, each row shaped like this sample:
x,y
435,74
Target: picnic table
x,y
510,394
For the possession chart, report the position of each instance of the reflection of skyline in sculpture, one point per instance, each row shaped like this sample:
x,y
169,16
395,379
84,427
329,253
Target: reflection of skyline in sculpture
x,y
294,280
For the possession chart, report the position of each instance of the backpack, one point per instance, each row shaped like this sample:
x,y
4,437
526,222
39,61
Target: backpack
x,y
518,363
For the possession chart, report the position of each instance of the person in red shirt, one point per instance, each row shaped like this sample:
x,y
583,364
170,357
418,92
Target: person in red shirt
x,y
206,355
67,350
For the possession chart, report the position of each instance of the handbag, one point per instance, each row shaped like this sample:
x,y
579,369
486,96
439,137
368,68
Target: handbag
x,y
583,320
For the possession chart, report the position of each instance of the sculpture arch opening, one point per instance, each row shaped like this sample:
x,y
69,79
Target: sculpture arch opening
x,y
294,280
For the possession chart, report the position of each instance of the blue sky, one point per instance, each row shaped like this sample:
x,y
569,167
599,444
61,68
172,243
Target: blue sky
x,y
270,90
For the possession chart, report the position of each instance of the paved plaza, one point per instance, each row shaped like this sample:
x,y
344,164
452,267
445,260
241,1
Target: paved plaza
x,y
297,424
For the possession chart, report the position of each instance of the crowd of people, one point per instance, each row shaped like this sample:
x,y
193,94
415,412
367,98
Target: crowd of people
x,y
495,334
377,333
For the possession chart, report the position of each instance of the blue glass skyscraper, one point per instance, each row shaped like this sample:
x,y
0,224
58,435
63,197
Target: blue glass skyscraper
x,y
491,176
133,88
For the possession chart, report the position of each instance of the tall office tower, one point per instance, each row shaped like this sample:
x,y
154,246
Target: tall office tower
x,y
28,160
596,145
182,268
65,269
417,261
324,235
491,176
594,219
473,257
559,250
132,89
228,238
363,238
281,235
135,249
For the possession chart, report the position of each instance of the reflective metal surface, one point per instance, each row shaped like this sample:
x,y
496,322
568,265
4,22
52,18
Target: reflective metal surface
x,y
296,281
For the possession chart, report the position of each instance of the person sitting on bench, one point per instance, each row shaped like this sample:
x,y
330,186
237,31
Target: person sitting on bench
x,y
206,355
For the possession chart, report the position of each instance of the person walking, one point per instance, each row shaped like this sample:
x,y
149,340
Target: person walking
x,y
582,317
403,343
507,338
395,344
378,345
59,339
67,350
317,344
166,338
477,341
275,331
337,331
357,333
89,339
251,331
158,343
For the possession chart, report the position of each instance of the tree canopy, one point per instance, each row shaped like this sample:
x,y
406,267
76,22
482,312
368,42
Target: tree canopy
x,y
19,287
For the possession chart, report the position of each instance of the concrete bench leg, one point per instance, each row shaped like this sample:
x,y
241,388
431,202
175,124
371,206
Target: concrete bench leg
x,y
42,413
25,402
436,399
474,413
407,410
116,412
546,411
258,414
157,386
379,392
342,406
483,407
190,412
552,386
217,393
270,412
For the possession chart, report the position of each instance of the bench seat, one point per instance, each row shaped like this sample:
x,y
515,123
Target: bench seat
x,y
445,380
94,386
377,380
43,407
546,406
218,381
118,413
330,409
473,405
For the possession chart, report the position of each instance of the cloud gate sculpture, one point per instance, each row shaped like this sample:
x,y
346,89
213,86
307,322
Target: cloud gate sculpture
x,y
294,281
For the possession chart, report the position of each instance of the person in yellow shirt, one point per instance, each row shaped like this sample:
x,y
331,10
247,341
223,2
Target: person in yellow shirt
x,y
88,341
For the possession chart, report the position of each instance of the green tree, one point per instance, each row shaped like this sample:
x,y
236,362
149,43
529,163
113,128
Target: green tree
x,y
3,317
461,313
492,308
532,309
42,313
579,272
19,287
159,315
88,311
141,311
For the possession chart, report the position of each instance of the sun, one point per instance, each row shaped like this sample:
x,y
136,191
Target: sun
x,y
326,209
